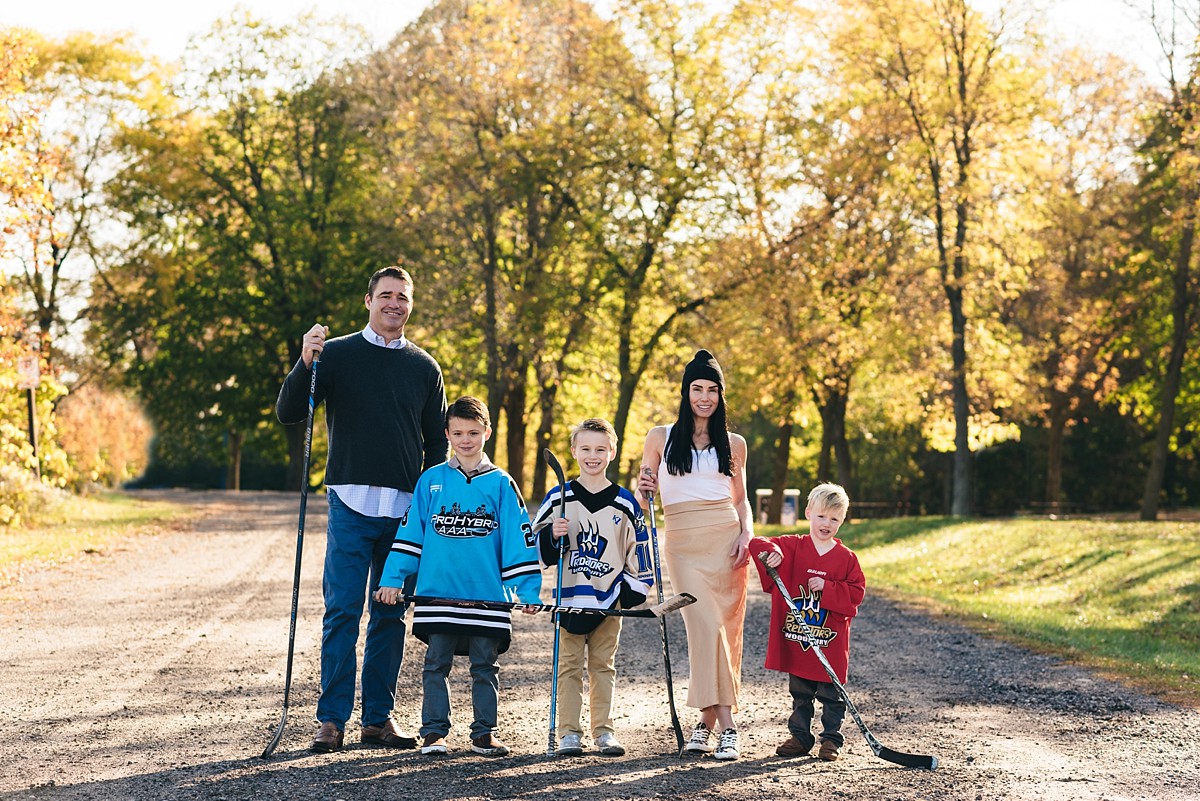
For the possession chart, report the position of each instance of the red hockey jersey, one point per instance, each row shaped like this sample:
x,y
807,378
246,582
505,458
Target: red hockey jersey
x,y
828,612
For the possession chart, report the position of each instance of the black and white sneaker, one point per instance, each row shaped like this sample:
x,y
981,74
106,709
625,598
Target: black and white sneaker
x,y
727,745
698,743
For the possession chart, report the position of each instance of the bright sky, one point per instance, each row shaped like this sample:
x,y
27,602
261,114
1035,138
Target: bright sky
x,y
166,26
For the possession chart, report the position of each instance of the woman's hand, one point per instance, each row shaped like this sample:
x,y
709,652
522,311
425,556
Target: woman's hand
x,y
647,482
741,549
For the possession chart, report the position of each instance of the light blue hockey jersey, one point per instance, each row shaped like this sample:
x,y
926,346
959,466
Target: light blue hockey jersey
x,y
469,539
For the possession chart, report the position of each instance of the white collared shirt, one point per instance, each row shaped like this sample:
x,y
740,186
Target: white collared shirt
x,y
366,499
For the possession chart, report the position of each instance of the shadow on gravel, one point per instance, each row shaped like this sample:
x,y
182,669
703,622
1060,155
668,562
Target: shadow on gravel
x,y
351,774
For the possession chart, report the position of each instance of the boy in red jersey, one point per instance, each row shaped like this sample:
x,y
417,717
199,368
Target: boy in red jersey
x,y
829,585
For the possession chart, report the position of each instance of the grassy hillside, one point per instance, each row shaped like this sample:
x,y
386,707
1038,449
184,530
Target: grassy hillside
x,y
1123,597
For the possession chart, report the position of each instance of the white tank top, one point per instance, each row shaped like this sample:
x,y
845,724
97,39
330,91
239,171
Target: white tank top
x,y
706,482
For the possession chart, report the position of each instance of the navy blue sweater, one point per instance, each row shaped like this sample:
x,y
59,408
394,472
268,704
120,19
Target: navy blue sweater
x,y
385,408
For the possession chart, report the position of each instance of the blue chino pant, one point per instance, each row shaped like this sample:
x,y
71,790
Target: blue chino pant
x,y
355,552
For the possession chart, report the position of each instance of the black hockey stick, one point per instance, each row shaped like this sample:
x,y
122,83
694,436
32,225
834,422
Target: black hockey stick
x,y
881,751
552,461
663,627
658,610
287,681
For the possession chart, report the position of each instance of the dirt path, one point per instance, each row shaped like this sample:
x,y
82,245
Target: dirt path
x,y
155,671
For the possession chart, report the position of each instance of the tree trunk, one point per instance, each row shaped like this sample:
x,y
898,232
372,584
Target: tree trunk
x,y
295,470
960,504
233,467
516,427
779,460
1181,308
1055,440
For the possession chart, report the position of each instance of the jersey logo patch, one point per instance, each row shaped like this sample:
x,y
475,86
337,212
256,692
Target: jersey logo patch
x,y
809,604
587,558
457,523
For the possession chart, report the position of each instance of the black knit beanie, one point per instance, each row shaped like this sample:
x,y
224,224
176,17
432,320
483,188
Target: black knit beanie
x,y
702,367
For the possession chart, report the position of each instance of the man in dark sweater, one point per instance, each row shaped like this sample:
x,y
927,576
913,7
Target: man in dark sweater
x,y
385,407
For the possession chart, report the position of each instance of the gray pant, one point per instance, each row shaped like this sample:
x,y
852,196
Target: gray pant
x,y
833,710
485,683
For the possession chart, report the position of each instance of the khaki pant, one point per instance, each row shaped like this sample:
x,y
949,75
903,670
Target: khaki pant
x,y
601,659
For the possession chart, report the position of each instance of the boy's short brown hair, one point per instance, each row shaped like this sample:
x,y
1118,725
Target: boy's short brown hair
x,y
599,425
830,496
469,408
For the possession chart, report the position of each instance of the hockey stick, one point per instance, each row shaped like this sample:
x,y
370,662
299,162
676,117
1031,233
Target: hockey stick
x,y
663,626
881,751
552,461
672,604
287,681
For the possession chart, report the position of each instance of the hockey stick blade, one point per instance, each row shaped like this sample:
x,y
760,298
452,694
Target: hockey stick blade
x,y
878,748
672,604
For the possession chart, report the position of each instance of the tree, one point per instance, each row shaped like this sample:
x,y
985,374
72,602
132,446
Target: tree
x,y
1075,311
82,89
247,212
490,119
966,99
1168,277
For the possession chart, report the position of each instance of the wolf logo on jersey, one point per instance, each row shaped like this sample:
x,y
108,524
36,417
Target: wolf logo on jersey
x,y
587,559
809,604
457,523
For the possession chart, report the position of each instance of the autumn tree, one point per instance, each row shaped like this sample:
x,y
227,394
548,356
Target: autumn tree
x,y
490,112
246,203
1075,311
967,98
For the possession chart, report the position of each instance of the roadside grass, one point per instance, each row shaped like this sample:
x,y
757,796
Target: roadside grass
x,y
84,525
1119,597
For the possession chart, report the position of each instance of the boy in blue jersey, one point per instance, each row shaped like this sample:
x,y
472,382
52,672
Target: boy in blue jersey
x,y
466,536
606,565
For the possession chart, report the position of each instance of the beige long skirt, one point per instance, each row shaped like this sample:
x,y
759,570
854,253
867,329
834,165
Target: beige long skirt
x,y
699,538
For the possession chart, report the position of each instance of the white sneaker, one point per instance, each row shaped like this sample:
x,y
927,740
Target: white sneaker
x,y
698,743
609,745
570,745
727,745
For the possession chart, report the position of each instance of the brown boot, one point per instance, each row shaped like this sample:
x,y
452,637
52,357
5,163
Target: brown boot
x,y
329,738
829,751
793,748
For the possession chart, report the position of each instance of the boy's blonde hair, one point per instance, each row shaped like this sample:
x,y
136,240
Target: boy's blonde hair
x,y
830,496
599,425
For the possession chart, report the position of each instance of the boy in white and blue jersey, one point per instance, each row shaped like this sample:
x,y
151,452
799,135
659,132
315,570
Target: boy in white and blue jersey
x,y
466,536
606,566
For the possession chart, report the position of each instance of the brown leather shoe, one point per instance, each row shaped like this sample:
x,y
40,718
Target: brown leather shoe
x,y
829,751
388,734
488,745
329,738
792,747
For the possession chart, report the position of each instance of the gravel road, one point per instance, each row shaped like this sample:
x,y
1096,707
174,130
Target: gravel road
x,y
153,669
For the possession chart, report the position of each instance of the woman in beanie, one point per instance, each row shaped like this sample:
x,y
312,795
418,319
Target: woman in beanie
x,y
698,469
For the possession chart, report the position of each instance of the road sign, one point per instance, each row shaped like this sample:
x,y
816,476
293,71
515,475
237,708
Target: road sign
x,y
29,371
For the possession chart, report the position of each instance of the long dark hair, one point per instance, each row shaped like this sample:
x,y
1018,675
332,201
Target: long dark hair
x,y
678,451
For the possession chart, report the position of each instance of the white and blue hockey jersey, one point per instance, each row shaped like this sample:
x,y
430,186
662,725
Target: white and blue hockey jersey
x,y
608,560
466,538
